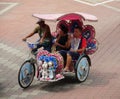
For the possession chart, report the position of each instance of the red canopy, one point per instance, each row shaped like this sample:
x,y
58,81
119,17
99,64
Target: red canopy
x,y
71,16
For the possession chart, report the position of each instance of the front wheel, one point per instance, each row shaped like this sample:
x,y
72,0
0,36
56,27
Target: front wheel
x,y
26,74
82,69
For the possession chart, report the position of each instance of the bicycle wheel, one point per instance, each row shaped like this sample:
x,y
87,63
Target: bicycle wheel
x,y
82,69
26,74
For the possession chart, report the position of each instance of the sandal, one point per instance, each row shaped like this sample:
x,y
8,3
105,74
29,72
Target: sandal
x,y
65,70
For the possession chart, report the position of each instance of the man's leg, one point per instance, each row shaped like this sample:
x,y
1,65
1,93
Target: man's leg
x,y
35,49
68,62
71,56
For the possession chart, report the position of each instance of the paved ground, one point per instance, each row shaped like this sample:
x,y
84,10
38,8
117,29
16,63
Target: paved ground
x,y
16,22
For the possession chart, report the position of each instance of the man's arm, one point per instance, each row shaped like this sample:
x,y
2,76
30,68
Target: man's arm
x,y
31,34
47,30
81,50
83,47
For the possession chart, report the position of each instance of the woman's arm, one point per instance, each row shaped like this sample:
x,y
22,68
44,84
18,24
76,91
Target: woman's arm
x,y
68,43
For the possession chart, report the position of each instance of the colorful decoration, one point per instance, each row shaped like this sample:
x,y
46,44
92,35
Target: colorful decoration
x,y
89,34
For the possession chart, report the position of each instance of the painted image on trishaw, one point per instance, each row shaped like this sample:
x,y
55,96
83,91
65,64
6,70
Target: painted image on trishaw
x,y
64,51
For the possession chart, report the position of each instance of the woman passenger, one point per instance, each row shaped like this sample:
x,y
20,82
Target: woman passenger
x,y
62,42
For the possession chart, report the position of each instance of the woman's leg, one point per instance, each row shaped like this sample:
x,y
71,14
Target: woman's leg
x,y
64,55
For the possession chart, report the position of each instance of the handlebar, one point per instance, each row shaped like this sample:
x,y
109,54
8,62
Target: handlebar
x,y
30,44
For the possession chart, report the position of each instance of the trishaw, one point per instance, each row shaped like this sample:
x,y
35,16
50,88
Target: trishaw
x,y
48,66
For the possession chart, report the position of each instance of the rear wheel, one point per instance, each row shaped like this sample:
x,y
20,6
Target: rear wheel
x,y
26,74
82,69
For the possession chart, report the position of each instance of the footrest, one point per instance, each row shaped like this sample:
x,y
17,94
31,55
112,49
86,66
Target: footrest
x,y
58,77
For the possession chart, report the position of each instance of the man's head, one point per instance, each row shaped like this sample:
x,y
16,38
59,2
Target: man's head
x,y
77,31
41,22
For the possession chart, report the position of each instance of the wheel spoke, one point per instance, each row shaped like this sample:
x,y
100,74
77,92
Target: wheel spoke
x,y
27,79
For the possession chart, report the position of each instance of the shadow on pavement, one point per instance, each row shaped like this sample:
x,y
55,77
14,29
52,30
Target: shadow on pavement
x,y
63,85
96,78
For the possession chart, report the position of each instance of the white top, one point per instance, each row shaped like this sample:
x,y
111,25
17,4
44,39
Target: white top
x,y
75,43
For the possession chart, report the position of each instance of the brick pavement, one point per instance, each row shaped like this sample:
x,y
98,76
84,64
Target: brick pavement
x,y
103,81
